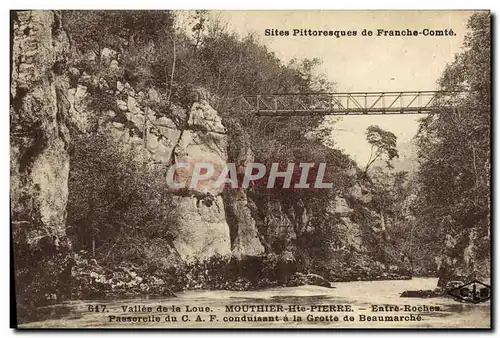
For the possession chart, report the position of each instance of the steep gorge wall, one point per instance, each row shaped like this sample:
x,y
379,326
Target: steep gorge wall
x,y
39,133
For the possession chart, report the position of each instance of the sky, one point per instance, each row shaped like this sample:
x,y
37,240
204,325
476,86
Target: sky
x,y
363,63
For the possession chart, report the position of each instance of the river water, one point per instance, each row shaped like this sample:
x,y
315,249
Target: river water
x,y
361,296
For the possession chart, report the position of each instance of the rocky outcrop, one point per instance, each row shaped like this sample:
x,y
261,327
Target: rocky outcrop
x,y
39,128
465,260
202,230
357,192
339,206
197,136
193,136
245,239
298,279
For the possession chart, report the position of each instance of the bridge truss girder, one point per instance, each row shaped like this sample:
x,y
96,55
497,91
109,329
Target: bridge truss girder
x,y
353,103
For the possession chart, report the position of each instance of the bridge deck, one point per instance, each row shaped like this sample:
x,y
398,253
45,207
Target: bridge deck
x,y
354,103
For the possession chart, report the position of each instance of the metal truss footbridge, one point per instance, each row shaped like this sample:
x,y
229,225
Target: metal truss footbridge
x,y
350,103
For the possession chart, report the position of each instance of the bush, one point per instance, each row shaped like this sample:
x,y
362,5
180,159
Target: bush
x,y
41,280
112,193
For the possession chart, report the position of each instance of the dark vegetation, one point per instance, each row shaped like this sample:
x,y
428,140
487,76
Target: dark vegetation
x,y
453,200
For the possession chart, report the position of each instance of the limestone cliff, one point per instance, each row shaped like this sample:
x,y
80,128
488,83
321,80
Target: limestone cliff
x,y
39,129
194,135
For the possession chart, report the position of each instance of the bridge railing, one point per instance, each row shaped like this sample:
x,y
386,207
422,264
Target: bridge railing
x,y
353,103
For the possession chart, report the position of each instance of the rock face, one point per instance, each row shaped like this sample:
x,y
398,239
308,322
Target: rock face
x,y
39,133
339,206
193,136
464,260
245,237
246,240
211,221
202,230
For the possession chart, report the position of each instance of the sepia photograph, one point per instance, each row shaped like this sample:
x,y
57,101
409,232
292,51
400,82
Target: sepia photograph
x,y
250,169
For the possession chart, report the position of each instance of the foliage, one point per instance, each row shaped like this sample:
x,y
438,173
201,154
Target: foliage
x,y
113,193
344,265
219,61
219,272
94,30
454,175
41,279
94,279
383,146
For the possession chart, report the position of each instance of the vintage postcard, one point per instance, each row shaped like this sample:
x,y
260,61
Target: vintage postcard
x,y
250,169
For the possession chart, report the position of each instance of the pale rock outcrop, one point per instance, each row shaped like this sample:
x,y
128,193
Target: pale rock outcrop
x,y
202,229
162,137
153,95
356,191
122,105
203,147
114,65
78,113
203,116
194,136
351,234
132,106
108,54
246,237
204,141
161,146
137,119
119,86
339,206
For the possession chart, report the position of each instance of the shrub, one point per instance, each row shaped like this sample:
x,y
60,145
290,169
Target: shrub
x,y
112,193
41,280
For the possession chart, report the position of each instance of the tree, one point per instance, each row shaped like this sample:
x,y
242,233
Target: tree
x,y
383,146
95,29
